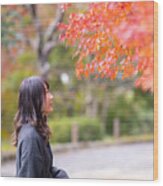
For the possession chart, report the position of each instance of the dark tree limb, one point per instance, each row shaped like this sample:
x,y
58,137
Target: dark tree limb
x,y
49,46
38,27
46,41
53,26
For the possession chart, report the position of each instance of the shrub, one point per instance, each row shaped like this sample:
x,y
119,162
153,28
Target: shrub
x,y
89,129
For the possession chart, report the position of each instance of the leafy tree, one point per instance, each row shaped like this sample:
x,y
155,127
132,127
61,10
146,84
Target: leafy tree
x,y
32,30
119,38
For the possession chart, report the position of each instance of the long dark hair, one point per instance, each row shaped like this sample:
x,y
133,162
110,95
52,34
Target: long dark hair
x,y
30,104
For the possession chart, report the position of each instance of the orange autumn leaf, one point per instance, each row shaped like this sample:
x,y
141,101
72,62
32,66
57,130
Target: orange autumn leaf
x,y
110,31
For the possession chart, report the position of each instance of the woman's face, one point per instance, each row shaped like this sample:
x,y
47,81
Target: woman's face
x,y
48,104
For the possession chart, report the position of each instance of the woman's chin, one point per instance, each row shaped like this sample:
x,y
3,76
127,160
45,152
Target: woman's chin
x,y
49,111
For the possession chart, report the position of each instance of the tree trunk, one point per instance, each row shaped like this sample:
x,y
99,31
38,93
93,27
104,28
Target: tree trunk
x,y
47,40
105,108
43,66
90,100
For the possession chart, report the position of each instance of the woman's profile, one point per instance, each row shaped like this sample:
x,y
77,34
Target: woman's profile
x,y
34,157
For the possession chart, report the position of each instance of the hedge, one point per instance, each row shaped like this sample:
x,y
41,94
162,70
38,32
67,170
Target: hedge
x,y
88,129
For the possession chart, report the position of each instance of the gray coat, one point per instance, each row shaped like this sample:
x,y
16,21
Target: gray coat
x,y
34,157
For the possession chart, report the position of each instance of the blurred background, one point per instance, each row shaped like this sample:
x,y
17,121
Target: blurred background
x,y
101,128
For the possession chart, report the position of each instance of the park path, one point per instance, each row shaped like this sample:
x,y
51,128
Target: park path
x,y
129,161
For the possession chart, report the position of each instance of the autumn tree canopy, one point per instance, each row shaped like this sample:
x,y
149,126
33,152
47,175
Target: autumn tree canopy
x,y
116,37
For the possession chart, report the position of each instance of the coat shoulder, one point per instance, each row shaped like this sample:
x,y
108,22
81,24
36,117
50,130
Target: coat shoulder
x,y
28,132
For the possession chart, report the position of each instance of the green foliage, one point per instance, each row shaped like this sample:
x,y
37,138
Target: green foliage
x,y
26,20
8,33
79,104
61,57
61,130
26,58
24,67
135,112
13,81
89,129
10,86
9,105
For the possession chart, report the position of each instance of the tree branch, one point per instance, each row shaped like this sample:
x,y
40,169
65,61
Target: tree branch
x,y
53,26
38,27
49,46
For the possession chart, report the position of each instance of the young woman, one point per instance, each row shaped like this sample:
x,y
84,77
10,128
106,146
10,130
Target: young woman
x,y
31,136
